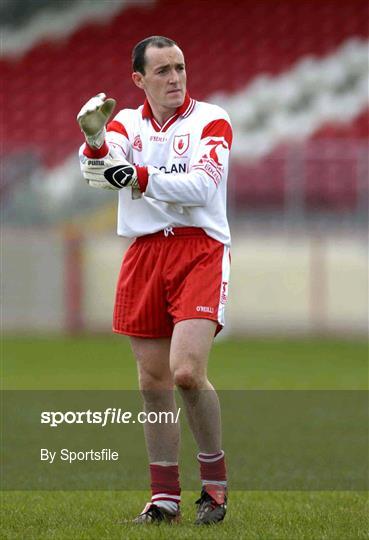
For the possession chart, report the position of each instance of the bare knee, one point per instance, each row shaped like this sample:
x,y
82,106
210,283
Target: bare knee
x,y
156,389
187,377
190,346
153,380
152,358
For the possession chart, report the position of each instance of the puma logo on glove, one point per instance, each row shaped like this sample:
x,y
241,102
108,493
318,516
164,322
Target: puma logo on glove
x,y
109,173
121,176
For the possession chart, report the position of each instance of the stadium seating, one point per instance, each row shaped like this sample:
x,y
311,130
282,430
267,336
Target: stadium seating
x,y
260,184
358,129
45,87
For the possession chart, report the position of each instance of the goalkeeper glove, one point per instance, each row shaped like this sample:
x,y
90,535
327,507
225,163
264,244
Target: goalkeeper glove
x,y
108,173
93,117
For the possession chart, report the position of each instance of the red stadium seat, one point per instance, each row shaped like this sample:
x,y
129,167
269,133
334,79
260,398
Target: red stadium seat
x,y
54,79
266,37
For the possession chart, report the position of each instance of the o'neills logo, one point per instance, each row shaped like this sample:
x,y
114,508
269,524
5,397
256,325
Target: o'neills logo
x,y
224,292
137,143
205,309
181,143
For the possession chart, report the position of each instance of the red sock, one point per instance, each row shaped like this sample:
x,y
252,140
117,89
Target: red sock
x,y
212,467
165,483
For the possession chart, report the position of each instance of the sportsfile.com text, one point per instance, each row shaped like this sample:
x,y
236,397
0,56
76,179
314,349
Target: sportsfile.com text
x,y
108,416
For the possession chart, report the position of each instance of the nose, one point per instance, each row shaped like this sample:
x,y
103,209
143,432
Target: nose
x,y
173,79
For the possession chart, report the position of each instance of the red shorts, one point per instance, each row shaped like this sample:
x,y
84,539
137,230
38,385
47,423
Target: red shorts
x,y
167,279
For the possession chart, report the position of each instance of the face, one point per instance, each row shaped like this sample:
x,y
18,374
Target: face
x,y
164,81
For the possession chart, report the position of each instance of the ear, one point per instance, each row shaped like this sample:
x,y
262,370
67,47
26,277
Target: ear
x,y
137,78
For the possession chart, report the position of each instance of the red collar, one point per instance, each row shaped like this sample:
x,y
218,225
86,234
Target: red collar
x,y
181,111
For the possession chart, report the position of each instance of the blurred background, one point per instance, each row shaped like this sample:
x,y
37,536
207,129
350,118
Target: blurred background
x,y
293,75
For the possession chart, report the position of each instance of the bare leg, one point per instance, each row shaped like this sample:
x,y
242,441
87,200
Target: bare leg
x,y
157,388
189,351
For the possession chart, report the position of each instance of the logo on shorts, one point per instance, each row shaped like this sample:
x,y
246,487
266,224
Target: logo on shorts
x,y
137,143
224,292
205,309
181,143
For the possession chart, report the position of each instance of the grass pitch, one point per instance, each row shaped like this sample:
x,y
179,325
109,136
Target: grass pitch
x,y
107,363
86,363
252,515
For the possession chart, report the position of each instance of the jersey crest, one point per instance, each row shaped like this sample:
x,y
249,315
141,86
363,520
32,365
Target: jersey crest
x,y
181,143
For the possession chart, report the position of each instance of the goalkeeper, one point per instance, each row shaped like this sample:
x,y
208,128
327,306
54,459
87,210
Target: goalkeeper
x,y
168,160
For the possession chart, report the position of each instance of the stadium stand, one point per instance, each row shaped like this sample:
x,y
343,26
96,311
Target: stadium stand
x,y
287,71
14,14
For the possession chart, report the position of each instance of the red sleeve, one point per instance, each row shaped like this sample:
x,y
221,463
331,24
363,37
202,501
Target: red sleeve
x,y
142,177
218,128
95,153
114,125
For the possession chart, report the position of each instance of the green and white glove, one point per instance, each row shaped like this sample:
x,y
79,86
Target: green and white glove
x,y
93,117
109,173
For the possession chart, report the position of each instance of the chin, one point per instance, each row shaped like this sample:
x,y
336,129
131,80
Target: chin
x,y
177,101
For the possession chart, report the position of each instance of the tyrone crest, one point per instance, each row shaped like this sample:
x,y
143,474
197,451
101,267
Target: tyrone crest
x,y
181,143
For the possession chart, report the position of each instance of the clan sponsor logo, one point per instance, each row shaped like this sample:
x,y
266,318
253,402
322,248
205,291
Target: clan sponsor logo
x,y
174,168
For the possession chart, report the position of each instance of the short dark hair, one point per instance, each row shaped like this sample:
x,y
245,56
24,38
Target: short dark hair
x,y
138,53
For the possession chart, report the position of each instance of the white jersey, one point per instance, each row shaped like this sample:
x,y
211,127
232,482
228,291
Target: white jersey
x,y
187,165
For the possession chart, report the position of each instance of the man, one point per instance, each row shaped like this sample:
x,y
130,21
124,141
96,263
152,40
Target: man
x,y
169,161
